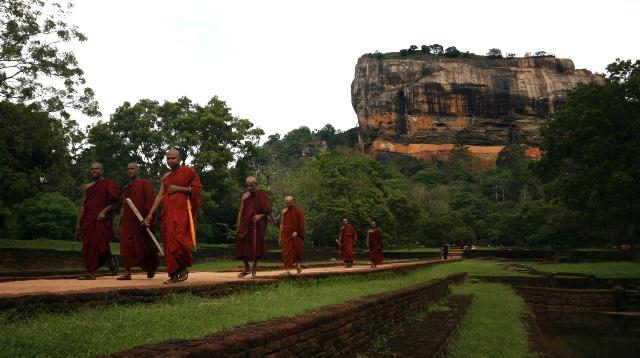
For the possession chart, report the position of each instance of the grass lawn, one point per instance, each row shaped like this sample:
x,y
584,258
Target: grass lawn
x,y
100,330
600,269
46,244
492,326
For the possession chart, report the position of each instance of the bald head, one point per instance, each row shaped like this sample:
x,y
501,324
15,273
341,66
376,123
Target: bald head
x,y
252,183
288,201
173,158
96,170
133,170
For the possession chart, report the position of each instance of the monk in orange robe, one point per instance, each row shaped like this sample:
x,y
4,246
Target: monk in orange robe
x,y
136,247
347,240
179,185
374,241
255,209
291,234
95,222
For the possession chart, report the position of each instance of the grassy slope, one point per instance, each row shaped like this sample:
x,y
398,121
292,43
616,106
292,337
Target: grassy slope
x,y
600,269
492,327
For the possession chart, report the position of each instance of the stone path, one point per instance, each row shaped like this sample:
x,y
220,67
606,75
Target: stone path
x,y
140,281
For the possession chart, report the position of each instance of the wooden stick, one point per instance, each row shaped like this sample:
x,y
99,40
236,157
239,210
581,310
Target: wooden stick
x,y
137,213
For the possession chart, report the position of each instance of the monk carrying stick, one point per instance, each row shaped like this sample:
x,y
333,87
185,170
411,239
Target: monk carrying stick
x,y
136,246
180,187
95,222
255,208
291,234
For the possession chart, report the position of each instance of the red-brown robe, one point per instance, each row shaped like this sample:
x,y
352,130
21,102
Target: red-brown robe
x,y
292,247
176,234
136,246
250,205
97,234
375,246
348,238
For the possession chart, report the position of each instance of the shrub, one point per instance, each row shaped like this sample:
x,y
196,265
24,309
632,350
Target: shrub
x,y
47,216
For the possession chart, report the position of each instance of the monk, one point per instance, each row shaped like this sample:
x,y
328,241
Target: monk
x,y
136,247
95,222
180,185
291,234
374,242
347,240
255,209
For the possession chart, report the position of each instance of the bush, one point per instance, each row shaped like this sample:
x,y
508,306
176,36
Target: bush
x,y
46,216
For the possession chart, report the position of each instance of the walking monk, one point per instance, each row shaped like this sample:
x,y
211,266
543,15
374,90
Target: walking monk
x,y
136,247
95,222
374,241
291,234
255,208
347,241
178,188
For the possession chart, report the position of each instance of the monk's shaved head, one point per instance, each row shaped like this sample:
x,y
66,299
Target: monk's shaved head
x,y
133,170
251,180
174,151
96,169
288,201
252,183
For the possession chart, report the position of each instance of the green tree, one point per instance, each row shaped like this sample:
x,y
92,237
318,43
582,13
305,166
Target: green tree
x,y
34,155
34,67
436,49
592,150
452,52
46,216
494,53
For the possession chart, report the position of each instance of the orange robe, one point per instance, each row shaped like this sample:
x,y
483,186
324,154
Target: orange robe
x,y
375,246
136,247
292,247
348,238
176,234
250,236
97,234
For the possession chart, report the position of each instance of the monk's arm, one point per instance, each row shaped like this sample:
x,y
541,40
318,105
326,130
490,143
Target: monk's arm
x,y
156,203
179,189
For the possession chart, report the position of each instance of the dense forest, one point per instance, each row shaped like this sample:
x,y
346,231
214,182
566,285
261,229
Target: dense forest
x,y
585,191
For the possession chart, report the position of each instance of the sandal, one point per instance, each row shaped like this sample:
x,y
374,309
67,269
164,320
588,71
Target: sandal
x,y
124,278
87,276
182,275
150,274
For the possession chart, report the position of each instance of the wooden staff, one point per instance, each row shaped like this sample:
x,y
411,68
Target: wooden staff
x,y
255,236
137,214
191,226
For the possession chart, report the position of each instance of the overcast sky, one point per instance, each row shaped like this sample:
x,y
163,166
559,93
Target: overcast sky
x,y
283,64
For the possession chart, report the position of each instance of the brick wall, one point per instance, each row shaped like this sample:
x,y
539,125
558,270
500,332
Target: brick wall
x,y
335,330
540,299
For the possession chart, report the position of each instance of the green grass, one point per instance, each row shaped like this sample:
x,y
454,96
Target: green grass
x,y
600,269
46,244
91,331
492,326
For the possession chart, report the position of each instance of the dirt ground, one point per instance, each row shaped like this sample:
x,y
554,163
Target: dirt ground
x,y
105,283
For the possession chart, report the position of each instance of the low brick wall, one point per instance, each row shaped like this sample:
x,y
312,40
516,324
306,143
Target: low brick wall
x,y
560,281
541,299
335,330
555,255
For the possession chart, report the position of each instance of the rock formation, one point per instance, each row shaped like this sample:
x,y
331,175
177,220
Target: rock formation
x,y
424,107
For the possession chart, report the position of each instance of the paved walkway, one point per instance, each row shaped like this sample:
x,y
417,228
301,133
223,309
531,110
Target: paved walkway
x,y
140,281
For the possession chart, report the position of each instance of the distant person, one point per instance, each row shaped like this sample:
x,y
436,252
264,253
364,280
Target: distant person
x,y
95,222
136,247
374,241
291,235
255,209
347,241
445,251
179,189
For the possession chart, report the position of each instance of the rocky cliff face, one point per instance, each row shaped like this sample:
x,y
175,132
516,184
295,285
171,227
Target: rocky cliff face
x,y
423,107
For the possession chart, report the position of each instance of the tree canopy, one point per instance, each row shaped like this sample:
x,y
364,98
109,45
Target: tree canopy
x,y
34,68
